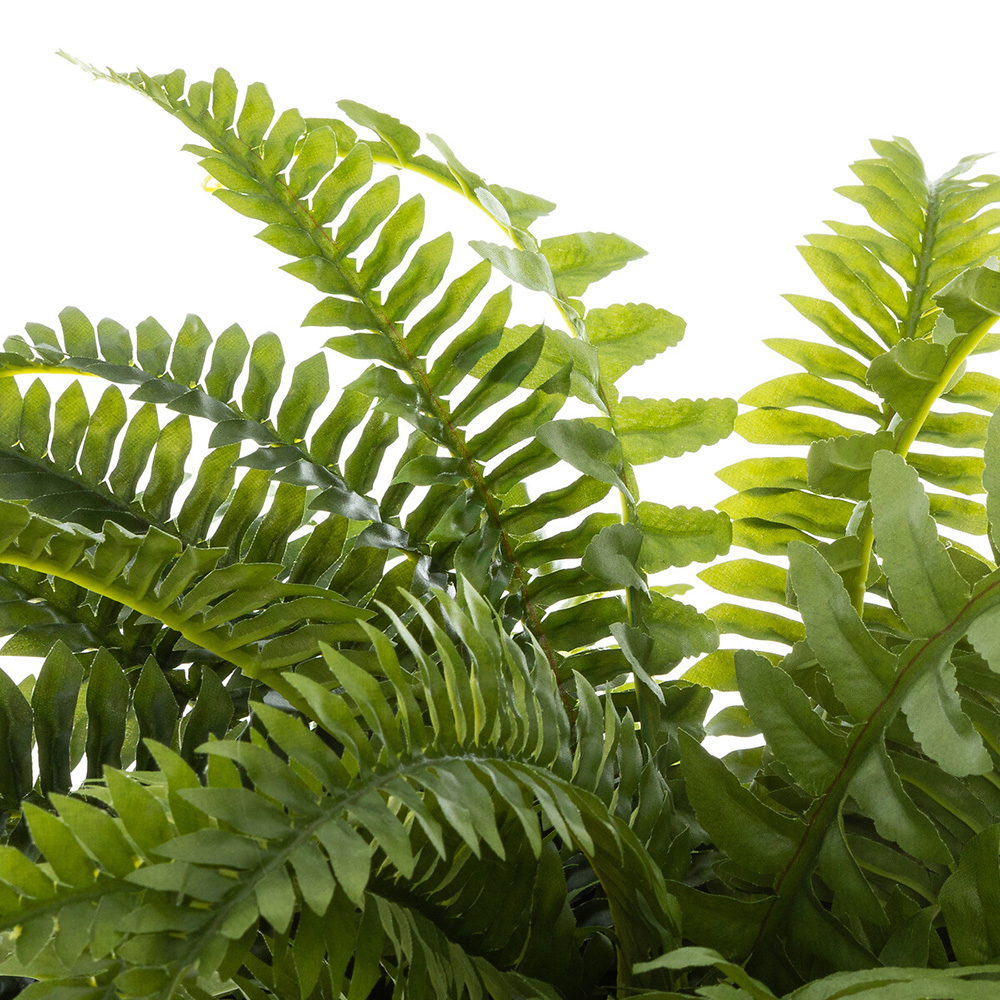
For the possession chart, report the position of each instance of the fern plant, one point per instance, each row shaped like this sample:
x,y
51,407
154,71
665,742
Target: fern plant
x,y
366,715
170,616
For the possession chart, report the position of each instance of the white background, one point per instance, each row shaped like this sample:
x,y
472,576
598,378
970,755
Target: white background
x,y
712,134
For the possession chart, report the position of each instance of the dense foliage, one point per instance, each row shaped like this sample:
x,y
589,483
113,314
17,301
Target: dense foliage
x,y
370,691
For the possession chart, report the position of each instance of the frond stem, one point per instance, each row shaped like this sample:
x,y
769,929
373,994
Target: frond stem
x,y
908,432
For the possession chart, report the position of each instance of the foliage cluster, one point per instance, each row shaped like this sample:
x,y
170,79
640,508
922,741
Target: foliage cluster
x,y
371,696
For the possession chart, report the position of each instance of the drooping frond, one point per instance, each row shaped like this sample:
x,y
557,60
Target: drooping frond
x,y
241,613
914,305
465,497
349,844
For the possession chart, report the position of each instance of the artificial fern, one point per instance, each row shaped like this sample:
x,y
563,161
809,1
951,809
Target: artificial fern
x,y
371,696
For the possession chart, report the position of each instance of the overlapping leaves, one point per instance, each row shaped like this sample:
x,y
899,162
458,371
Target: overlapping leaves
x,y
855,841
914,304
467,499
347,845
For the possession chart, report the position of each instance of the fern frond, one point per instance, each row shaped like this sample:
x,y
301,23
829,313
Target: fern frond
x,y
880,754
310,181
241,614
905,290
383,801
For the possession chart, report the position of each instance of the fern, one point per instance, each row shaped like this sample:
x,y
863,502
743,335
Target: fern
x,y
393,835
369,706
911,281
473,513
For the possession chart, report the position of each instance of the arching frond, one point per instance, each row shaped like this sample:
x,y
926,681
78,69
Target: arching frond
x,y
363,828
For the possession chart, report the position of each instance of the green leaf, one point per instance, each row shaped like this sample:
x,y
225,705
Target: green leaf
x,y
972,298
842,282
877,789
841,466
749,578
452,306
255,115
813,753
613,556
589,449
580,259
367,214
810,390
991,479
140,812
107,711
861,671
526,267
970,900
400,138
754,624
925,585
733,720
309,387
907,374
62,851
316,158
501,380
685,958
838,327
53,704
774,426
821,360
350,175
395,238
750,832
677,630
935,717
15,743
628,335
651,429
817,515
678,536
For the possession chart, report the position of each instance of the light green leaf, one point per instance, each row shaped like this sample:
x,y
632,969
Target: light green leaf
x,y
749,578
678,536
628,335
841,466
905,375
754,624
651,429
972,298
526,267
255,116
805,389
775,426
580,259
